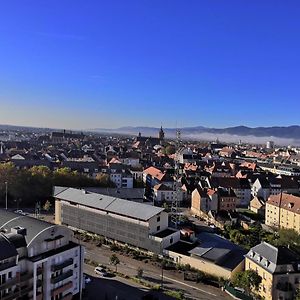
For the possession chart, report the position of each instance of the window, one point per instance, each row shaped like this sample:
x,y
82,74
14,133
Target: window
x,y
10,275
158,219
158,228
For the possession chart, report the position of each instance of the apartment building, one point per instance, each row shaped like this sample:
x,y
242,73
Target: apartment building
x,y
38,260
129,222
204,201
283,211
279,269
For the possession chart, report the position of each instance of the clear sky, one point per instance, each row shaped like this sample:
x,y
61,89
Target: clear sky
x,y
92,63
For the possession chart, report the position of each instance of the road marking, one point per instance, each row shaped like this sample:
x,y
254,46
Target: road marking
x,y
190,286
159,276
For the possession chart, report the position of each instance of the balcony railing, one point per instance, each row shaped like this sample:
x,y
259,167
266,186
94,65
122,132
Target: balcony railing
x,y
65,264
69,296
62,289
17,293
62,277
9,283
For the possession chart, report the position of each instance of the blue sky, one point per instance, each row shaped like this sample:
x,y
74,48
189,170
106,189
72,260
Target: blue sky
x,y
93,63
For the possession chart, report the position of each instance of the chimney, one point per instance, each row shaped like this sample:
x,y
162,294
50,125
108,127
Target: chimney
x,y
19,230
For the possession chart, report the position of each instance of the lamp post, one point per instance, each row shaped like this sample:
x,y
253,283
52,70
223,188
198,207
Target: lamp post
x,y
6,195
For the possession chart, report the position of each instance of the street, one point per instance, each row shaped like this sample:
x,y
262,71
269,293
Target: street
x,y
171,279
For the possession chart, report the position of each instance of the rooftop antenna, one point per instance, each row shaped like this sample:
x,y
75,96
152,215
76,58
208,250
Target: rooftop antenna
x,y
176,200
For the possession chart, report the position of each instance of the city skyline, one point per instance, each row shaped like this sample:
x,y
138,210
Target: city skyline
x,y
107,65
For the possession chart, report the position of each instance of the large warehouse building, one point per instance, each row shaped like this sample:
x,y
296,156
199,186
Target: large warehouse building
x,y
133,223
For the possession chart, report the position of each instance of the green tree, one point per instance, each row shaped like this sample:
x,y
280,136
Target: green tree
x,y
47,206
140,272
104,180
114,260
170,149
248,280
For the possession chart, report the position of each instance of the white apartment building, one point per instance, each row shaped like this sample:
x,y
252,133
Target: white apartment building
x,y
38,260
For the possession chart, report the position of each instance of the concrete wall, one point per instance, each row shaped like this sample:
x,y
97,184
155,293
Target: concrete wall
x,y
204,265
123,230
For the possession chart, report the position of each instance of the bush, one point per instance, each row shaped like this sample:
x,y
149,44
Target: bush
x,y
114,247
176,294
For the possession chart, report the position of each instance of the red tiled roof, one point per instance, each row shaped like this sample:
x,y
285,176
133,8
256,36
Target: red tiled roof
x,y
286,201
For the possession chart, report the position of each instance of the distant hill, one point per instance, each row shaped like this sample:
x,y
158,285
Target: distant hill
x,y
281,135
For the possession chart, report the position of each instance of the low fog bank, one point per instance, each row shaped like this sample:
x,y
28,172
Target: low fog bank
x,y
245,139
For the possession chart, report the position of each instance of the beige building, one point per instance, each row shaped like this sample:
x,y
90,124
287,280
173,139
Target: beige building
x,y
279,269
258,205
283,211
212,254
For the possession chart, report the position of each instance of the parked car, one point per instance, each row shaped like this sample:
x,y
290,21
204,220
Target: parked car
x,y
21,212
100,271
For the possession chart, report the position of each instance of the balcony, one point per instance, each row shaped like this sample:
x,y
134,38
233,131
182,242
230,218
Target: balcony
x,y
65,264
9,283
62,289
62,277
17,293
69,296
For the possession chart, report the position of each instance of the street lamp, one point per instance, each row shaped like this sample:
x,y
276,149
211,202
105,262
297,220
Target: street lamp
x,y
6,195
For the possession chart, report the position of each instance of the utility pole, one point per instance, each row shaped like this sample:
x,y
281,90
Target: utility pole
x,y
6,195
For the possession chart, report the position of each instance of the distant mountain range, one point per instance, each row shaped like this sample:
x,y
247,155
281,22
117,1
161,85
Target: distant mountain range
x,y
280,135
289,135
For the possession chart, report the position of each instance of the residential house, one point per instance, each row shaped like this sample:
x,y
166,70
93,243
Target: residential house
x,y
279,268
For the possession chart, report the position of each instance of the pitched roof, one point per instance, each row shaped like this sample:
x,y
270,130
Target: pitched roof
x,y
269,257
286,201
154,172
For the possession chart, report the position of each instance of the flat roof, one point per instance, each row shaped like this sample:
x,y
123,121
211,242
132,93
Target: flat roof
x,y
110,204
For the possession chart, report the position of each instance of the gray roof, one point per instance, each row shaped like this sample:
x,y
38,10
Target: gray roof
x,y
128,194
269,257
118,206
7,249
218,250
33,226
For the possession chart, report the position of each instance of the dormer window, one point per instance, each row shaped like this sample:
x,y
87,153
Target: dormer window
x,y
266,264
258,257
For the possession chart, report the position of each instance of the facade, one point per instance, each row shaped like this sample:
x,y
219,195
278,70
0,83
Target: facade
x,y
279,269
124,221
121,178
283,211
258,206
38,260
204,201
227,199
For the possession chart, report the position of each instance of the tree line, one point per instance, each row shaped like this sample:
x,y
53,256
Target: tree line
x,y
27,186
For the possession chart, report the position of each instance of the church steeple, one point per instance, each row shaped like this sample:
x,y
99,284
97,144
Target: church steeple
x,y
161,134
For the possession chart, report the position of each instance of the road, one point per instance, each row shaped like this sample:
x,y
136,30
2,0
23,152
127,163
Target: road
x,y
171,279
116,288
